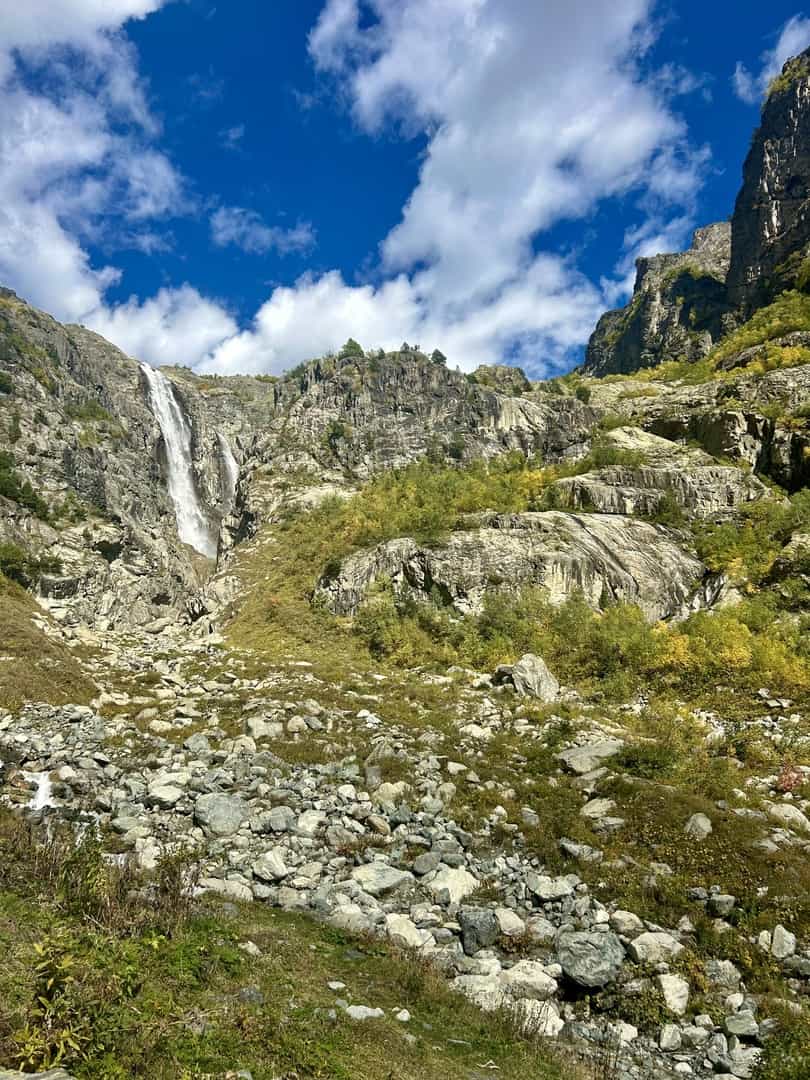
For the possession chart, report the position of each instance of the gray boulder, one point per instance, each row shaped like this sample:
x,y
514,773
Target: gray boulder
x,y
220,815
479,928
590,959
532,678
584,759
698,827
377,878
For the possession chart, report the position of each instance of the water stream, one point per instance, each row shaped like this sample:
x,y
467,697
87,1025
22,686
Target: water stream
x,y
231,470
193,525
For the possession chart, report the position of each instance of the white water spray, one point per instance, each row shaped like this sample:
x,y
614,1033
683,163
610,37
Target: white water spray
x,y
43,795
231,470
193,526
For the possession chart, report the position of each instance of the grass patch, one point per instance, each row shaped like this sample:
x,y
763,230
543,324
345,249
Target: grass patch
x,y
33,666
172,995
88,410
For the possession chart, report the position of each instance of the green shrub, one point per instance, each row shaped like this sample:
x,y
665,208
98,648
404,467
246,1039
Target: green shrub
x,y
798,67
455,448
786,1054
20,566
789,311
351,348
746,549
87,410
336,432
668,512
18,490
14,429
650,761
6,383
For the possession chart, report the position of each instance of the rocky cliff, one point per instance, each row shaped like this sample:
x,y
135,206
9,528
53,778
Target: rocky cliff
x,y
770,229
682,304
677,311
102,539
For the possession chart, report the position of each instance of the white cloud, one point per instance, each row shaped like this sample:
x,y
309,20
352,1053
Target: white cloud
x,y
234,225
794,37
68,164
535,318
534,114
38,25
176,326
231,137
78,163
531,115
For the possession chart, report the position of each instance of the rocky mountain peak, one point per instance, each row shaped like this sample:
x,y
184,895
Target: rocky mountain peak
x,y
771,224
677,308
683,303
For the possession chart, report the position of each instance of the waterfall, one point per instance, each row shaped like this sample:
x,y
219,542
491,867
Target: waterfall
x,y
231,471
193,526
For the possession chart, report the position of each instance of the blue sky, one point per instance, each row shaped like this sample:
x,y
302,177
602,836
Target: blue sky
x,y
240,186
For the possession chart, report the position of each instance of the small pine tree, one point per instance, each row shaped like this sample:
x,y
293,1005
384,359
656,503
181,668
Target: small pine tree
x,y
14,429
438,357
351,348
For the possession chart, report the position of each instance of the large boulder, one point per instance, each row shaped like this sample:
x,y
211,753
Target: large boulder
x,y
584,759
532,678
220,815
452,885
590,959
654,946
528,979
479,928
378,878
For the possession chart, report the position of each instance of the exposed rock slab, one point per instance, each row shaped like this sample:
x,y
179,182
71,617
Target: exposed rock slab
x,y
605,557
708,491
771,225
676,310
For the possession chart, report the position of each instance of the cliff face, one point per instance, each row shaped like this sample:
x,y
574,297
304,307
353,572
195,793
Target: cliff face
x,y
771,223
102,540
683,303
677,310
361,416
76,424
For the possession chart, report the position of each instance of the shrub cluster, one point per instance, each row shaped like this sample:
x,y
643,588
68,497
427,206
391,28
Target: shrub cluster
x,y
615,651
88,410
745,550
13,487
23,567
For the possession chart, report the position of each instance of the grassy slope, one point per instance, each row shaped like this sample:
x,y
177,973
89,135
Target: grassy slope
x,y
186,1002
34,667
